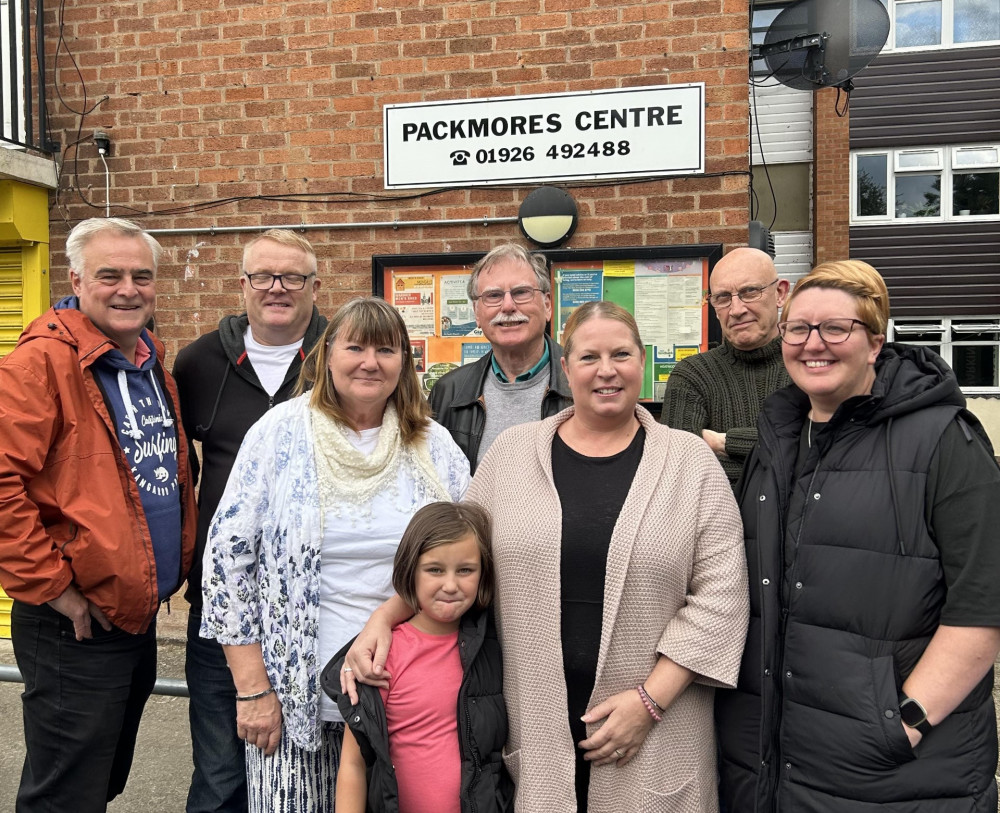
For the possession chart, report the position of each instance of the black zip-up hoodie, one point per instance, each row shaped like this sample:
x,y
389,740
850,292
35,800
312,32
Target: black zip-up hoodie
x,y
221,398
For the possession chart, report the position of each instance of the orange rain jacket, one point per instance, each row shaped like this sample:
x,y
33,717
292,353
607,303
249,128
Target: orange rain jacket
x,y
70,510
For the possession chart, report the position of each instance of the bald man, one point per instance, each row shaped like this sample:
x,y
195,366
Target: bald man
x,y
717,394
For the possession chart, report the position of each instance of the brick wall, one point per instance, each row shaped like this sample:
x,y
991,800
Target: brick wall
x,y
832,197
208,101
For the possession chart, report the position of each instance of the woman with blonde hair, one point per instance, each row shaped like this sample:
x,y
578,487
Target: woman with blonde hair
x,y
301,548
621,597
870,509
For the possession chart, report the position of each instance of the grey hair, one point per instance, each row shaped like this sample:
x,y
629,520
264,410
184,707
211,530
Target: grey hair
x,y
285,237
510,251
86,230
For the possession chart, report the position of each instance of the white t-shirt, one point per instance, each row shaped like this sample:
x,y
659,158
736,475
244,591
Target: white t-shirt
x,y
271,363
359,545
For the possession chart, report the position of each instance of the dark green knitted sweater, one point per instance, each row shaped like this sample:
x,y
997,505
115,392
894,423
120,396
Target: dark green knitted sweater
x,y
723,390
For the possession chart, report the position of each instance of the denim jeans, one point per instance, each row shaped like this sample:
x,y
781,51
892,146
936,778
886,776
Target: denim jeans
x,y
82,703
219,782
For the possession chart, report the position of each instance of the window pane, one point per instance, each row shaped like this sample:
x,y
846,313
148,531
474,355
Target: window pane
x,y
918,195
975,330
977,20
975,156
762,19
791,188
975,366
918,24
976,193
872,185
916,159
919,333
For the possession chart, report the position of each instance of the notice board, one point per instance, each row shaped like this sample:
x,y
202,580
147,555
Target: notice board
x,y
664,287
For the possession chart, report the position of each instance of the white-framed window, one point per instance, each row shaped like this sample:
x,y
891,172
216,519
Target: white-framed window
x,y
969,344
931,24
928,183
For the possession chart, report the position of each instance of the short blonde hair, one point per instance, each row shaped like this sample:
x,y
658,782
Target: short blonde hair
x,y
367,320
599,309
856,278
284,237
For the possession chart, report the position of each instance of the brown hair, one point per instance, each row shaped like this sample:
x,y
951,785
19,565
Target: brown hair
x,y
599,309
442,523
367,320
284,237
856,278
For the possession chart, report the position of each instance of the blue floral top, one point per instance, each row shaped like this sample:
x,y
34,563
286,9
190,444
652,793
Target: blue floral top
x,y
262,562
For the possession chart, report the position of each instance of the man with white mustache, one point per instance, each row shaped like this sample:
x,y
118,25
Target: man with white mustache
x,y
718,394
520,379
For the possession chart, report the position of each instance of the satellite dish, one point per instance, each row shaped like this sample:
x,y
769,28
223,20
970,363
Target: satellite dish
x,y
815,44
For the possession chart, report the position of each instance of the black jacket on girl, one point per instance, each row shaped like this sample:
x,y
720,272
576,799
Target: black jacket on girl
x,y
847,588
482,724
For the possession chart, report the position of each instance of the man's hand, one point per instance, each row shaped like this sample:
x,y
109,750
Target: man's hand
x,y
77,609
716,441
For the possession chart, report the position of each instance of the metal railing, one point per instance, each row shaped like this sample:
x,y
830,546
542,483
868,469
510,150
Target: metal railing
x,y
172,687
22,75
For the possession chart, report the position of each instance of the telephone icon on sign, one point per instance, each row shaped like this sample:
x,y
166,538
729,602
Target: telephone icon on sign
x,y
460,158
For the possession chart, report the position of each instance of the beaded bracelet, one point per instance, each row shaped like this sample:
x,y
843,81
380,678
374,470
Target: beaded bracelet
x,y
648,703
258,696
649,697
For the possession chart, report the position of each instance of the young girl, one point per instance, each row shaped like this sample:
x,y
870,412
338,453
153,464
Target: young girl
x,y
431,742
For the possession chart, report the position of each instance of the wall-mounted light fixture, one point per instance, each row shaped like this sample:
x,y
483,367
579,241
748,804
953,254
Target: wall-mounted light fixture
x,y
547,216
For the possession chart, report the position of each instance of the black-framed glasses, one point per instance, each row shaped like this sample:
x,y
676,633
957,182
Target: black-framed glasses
x,y
831,331
751,293
521,295
290,282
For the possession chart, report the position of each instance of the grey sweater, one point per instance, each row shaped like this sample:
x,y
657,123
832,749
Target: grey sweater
x,y
723,390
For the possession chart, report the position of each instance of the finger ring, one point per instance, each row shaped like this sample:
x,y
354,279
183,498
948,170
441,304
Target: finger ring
x,y
347,669
620,754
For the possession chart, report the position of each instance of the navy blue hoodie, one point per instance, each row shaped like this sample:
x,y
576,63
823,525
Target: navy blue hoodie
x,y
148,437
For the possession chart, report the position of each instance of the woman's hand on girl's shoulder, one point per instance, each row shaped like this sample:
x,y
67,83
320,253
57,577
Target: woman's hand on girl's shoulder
x,y
365,660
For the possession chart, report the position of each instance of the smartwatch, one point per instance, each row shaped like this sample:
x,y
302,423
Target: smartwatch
x,y
914,715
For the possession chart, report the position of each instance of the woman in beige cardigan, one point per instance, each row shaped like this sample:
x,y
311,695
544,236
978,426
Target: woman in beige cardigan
x,y
621,590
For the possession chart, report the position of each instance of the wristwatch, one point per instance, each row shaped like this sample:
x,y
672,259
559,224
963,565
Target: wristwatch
x,y
914,715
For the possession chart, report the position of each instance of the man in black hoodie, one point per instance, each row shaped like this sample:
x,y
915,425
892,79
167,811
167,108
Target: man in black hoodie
x,y
227,380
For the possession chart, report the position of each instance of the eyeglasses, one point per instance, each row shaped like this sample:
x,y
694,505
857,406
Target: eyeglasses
x,y
521,295
831,331
752,293
290,282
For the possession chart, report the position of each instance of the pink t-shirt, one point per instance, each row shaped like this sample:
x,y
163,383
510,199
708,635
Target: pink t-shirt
x,y
421,709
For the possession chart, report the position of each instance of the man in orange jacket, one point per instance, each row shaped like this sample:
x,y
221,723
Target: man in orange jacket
x,y
98,516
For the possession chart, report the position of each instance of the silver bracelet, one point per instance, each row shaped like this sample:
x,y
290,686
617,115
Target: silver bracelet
x,y
258,696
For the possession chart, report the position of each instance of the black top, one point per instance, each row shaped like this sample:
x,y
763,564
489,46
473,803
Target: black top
x,y
221,398
592,491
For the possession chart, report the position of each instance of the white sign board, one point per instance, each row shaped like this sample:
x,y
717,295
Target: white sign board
x,y
624,133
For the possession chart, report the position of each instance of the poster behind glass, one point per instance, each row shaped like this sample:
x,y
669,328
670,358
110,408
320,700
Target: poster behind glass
x,y
662,286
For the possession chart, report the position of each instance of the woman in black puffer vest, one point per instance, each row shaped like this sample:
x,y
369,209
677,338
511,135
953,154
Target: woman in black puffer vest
x,y
870,511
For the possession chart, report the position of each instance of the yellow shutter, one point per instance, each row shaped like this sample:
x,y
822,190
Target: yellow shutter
x,y
11,298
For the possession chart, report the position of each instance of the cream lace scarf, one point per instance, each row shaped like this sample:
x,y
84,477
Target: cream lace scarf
x,y
349,477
